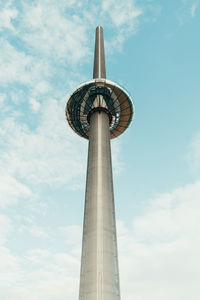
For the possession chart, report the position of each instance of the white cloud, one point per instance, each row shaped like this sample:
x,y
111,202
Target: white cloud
x,y
62,30
34,230
2,98
193,9
123,16
35,105
20,67
9,263
72,234
7,14
121,13
44,155
188,10
54,34
161,252
10,270
49,276
42,87
5,228
61,37
11,190
193,155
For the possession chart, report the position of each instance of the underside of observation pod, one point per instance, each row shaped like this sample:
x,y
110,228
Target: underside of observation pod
x,y
99,95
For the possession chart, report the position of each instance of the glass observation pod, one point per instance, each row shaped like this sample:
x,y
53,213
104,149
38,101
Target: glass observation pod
x,y
99,95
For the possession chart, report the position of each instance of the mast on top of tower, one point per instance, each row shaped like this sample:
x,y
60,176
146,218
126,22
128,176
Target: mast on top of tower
x,y
99,69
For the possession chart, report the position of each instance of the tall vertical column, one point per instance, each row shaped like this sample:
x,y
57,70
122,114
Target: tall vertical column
x,y
99,69
99,278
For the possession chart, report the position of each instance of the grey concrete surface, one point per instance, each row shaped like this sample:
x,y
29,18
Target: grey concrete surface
x,y
99,69
99,278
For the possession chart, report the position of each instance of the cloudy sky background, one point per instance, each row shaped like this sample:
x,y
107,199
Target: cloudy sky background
x,y
152,49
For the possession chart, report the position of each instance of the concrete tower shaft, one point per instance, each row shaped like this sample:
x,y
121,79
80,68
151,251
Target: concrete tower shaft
x,y
99,264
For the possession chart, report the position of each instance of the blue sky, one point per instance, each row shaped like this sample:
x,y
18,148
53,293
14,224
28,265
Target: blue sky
x,y
46,50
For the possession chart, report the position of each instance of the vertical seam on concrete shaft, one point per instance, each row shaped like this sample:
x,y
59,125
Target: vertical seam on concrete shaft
x,y
99,53
97,204
99,209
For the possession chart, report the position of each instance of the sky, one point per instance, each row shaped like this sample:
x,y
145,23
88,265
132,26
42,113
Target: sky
x,y
152,49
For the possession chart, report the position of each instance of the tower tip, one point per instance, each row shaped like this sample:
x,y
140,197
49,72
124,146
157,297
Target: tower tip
x,y
99,27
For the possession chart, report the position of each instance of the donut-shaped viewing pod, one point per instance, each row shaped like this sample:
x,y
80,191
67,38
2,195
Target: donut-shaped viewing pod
x,y
99,95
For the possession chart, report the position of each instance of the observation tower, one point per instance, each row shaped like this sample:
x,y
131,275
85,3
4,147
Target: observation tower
x,y
99,110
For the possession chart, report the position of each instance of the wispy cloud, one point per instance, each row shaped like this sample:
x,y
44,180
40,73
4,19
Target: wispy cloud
x,y
72,234
6,227
7,14
2,98
193,155
11,190
188,10
193,9
161,250
48,275
34,230
27,156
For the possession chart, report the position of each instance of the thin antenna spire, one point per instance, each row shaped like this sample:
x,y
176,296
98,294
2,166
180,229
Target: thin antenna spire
x,y
99,70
